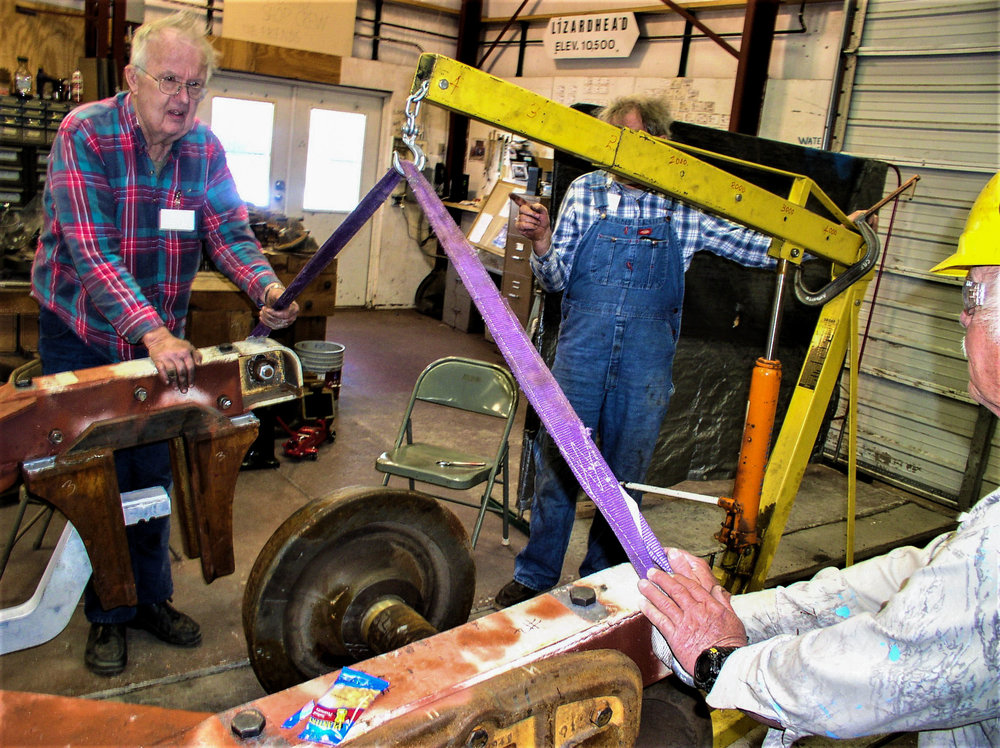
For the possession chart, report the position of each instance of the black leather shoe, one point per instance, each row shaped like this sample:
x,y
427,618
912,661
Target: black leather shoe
x,y
514,592
167,624
107,651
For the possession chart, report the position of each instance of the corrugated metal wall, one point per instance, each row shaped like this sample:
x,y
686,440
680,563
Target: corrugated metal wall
x,y
921,91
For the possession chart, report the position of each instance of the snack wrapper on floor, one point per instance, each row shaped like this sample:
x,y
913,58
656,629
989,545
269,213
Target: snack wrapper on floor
x,y
340,707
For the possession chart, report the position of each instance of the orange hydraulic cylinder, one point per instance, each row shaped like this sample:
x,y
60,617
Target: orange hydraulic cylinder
x,y
765,384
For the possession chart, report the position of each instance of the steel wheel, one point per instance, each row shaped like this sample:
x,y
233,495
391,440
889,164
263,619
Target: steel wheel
x,y
328,563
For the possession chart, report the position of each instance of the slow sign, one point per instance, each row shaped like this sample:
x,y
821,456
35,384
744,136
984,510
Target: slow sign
x,y
599,35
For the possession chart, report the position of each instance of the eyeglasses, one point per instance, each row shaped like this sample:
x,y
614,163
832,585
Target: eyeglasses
x,y
170,86
973,295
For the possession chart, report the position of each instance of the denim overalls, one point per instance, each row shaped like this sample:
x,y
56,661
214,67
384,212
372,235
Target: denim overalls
x,y
621,315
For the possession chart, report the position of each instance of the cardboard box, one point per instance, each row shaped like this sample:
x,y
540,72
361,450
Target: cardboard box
x,y
489,230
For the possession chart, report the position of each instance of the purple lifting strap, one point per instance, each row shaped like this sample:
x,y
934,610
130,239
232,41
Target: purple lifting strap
x,y
338,239
540,387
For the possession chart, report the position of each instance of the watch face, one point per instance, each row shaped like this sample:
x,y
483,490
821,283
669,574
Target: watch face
x,y
708,665
703,667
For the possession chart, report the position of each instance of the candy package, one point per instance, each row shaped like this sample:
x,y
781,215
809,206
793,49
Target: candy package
x,y
339,708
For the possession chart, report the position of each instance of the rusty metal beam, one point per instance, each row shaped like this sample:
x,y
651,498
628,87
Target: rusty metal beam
x,y
119,23
96,17
69,425
510,22
84,488
435,671
34,719
751,73
694,21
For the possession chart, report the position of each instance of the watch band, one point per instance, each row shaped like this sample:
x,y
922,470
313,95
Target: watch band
x,y
708,666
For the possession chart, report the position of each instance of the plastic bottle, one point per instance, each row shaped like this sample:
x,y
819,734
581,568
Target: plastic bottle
x,y
22,79
76,87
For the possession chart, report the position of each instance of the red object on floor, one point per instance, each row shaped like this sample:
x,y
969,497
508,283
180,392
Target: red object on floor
x,y
306,440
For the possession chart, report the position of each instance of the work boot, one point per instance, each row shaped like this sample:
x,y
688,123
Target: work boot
x,y
107,650
514,592
167,624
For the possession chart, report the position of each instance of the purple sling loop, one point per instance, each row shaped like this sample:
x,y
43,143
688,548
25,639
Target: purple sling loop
x,y
540,387
338,239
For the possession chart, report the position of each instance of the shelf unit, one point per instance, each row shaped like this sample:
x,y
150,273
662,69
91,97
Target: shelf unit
x,y
27,129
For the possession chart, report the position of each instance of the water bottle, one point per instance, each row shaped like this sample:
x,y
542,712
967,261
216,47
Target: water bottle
x,y
22,79
76,87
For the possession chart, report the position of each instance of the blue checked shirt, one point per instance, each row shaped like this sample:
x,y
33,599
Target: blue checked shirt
x,y
694,231
103,265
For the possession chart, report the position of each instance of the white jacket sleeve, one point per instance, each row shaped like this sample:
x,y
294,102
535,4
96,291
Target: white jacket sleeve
x,y
904,642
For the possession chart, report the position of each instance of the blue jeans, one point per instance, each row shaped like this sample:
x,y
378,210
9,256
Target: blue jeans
x,y
614,362
137,467
625,422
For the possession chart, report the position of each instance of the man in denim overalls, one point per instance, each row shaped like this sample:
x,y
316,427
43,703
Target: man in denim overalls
x,y
619,253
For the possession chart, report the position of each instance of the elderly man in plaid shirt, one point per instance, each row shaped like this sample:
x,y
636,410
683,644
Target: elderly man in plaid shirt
x,y
136,188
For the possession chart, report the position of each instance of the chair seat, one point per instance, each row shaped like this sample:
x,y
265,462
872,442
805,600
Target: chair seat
x,y
420,461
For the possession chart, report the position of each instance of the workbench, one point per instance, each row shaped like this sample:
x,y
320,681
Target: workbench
x,y
219,311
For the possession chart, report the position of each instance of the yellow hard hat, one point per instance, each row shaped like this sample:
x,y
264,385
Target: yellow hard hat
x,y
979,243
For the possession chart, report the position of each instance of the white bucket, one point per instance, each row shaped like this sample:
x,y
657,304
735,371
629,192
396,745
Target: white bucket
x,y
320,356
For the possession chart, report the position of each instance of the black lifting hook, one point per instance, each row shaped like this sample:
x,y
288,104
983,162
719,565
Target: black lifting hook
x,y
849,277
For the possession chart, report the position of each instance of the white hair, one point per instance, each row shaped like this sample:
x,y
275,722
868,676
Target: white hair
x,y
184,23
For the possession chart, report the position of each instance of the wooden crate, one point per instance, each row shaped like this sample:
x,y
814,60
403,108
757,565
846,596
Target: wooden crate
x,y
221,313
319,298
8,333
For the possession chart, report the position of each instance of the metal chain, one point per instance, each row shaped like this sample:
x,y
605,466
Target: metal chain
x,y
410,129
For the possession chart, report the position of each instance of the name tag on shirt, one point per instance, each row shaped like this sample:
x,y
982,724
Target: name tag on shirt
x,y
176,220
613,199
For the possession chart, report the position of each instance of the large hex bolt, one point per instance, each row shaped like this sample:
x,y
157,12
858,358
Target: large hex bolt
x,y
582,596
602,717
248,723
262,368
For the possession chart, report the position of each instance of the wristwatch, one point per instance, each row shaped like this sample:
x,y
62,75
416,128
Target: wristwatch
x,y
708,665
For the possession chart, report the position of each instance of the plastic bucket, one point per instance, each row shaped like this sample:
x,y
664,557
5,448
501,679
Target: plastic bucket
x,y
320,356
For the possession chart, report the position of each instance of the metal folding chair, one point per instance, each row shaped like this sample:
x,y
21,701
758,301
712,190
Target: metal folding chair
x,y
469,385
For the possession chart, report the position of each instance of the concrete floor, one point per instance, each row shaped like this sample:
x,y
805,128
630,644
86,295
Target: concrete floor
x,y
385,351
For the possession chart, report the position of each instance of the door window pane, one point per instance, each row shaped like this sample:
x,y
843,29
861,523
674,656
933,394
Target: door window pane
x,y
333,161
245,128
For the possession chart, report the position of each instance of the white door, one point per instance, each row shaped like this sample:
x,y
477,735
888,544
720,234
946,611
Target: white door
x,y
294,106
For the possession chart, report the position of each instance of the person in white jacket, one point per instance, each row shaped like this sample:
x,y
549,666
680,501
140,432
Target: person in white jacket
x,y
905,642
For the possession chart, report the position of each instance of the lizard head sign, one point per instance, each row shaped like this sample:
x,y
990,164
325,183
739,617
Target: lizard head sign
x,y
589,36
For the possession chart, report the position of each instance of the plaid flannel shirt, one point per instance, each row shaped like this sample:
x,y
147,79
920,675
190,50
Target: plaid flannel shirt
x,y
695,231
103,265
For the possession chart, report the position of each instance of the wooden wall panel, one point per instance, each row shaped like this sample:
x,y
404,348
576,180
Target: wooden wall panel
x,y
49,36
281,62
52,38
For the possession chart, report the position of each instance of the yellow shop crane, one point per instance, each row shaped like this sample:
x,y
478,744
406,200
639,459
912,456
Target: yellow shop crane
x,y
766,481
